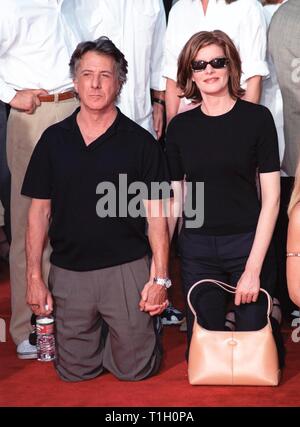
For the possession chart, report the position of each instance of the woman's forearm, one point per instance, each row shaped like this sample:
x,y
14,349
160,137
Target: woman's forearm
x,y
263,235
266,222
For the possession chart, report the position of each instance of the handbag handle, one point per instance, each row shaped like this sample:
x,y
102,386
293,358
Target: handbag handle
x,y
225,287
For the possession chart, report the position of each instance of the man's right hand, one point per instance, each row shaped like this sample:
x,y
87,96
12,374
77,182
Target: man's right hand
x,y
38,297
27,100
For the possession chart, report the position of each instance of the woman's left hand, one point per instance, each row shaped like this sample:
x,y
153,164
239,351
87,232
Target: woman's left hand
x,y
247,289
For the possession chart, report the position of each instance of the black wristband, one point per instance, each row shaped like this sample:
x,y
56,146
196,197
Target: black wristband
x,y
159,101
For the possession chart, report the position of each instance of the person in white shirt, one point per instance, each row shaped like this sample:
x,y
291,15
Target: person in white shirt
x,y
271,95
242,20
36,44
137,28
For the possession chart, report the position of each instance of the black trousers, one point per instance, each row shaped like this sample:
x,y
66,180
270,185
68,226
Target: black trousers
x,y
222,258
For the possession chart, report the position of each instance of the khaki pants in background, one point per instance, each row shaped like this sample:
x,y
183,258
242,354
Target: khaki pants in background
x,y
23,133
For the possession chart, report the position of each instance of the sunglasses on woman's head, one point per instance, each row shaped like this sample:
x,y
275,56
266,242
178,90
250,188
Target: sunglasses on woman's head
x,y
215,63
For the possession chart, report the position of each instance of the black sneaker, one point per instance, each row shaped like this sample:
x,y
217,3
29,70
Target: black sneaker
x,y
171,316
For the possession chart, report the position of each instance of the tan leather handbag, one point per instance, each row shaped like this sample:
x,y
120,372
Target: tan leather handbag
x,y
232,357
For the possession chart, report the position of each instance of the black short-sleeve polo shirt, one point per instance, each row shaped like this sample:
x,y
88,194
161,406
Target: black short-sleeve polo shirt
x,y
71,174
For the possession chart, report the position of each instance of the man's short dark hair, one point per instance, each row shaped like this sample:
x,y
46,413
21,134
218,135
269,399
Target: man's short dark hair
x,y
103,46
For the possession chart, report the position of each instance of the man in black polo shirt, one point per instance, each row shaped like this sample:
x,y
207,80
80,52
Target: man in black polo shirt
x,y
102,304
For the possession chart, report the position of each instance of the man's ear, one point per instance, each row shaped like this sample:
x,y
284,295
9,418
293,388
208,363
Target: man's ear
x,y
75,84
119,88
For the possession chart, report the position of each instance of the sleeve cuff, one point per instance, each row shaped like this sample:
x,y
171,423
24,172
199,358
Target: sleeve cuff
x,y
170,72
7,94
255,68
34,195
158,82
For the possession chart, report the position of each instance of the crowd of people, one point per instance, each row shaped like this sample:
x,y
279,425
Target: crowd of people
x,y
168,93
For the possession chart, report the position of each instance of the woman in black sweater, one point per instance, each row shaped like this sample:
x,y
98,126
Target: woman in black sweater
x,y
223,143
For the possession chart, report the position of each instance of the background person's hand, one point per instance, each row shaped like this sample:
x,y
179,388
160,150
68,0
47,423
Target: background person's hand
x,y
27,100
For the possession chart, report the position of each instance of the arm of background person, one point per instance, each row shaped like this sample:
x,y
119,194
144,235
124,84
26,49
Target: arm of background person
x,y
8,35
158,112
252,48
253,91
157,82
172,99
293,263
24,100
171,52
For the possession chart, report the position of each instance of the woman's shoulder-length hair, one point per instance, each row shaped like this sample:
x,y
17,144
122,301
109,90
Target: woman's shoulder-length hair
x,y
188,55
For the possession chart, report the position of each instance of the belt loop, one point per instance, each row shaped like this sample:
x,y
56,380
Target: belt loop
x,y
56,97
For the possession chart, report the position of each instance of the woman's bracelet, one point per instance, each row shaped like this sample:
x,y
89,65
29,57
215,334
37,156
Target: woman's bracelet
x,y
293,254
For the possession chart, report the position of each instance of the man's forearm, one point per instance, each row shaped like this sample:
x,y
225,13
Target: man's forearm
x,y
36,235
159,241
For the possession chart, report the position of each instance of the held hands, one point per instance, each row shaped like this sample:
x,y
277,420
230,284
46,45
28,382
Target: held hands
x,y
27,100
247,289
154,299
38,297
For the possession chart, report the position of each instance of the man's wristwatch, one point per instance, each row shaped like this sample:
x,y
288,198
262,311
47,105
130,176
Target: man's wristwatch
x,y
163,281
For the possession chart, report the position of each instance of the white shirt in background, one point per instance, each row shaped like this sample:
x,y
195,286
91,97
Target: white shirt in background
x,y
36,45
269,11
271,94
137,28
242,20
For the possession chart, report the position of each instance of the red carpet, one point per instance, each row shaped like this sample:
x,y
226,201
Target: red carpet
x,y
32,383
